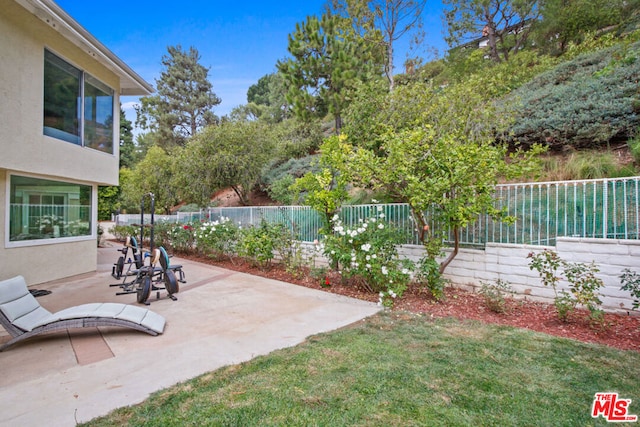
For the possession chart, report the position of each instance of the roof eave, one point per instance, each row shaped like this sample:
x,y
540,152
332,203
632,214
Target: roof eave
x,y
131,84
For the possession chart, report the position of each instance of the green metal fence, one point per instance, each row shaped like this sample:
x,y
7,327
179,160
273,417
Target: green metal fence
x,y
605,208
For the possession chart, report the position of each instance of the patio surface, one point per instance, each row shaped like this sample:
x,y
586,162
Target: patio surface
x,y
221,318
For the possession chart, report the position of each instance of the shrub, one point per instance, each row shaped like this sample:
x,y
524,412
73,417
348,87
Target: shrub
x,y
367,254
121,232
631,282
428,275
217,239
175,236
495,295
583,284
582,103
259,244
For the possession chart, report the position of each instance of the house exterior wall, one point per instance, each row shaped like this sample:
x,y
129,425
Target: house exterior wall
x,y
24,147
26,151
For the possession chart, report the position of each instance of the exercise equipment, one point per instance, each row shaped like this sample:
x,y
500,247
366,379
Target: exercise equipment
x,y
141,277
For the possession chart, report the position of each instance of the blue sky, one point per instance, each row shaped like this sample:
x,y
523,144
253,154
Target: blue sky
x,y
240,41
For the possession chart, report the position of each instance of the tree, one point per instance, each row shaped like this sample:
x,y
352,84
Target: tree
x,y
568,21
154,174
506,23
327,61
127,147
270,95
184,102
230,155
435,150
392,19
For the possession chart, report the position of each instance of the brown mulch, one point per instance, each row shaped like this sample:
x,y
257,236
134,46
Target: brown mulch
x,y
616,330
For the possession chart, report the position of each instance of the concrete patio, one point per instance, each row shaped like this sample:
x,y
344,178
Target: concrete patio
x,y
221,318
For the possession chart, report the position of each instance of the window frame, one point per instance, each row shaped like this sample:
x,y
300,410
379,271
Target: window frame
x,y
85,78
52,240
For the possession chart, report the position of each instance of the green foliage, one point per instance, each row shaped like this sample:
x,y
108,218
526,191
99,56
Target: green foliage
x,y
173,236
630,281
108,202
129,155
495,295
217,239
435,150
121,232
184,101
259,244
583,283
326,189
368,255
153,174
581,103
567,23
230,155
634,147
277,181
428,275
327,61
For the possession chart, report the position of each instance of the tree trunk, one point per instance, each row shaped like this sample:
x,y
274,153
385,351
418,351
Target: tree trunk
x,y
456,246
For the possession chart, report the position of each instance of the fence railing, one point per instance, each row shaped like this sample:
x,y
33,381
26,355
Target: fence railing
x,y
542,212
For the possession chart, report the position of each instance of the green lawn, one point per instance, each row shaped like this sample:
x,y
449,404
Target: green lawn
x,y
400,369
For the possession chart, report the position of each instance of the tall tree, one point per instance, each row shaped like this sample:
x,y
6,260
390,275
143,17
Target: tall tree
x,y
392,19
230,155
328,60
270,96
127,147
506,24
184,101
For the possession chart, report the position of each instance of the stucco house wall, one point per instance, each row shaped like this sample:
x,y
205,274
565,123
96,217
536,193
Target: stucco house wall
x,y
27,28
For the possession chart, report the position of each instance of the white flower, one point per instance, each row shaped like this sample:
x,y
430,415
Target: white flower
x,y
379,208
374,256
360,230
405,271
366,247
381,226
368,257
350,240
381,215
391,293
384,270
373,220
333,252
381,294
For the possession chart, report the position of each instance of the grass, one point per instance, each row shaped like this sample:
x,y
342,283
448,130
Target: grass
x,y
403,369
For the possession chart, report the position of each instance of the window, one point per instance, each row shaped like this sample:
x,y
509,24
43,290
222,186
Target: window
x,y
43,209
77,107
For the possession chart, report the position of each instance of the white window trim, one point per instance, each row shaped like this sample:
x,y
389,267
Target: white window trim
x,y
55,240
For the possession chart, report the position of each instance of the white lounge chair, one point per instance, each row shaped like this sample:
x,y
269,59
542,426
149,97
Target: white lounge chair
x,y
23,317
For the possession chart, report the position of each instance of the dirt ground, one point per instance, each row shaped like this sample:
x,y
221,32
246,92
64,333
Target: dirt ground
x,y
615,330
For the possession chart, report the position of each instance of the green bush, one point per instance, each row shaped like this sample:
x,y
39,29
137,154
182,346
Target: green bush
x,y
259,244
367,254
583,103
217,239
583,284
631,282
495,295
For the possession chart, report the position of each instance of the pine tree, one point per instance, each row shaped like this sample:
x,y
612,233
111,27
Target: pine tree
x,y
184,101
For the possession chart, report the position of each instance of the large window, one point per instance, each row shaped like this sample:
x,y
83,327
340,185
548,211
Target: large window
x,y
43,209
77,107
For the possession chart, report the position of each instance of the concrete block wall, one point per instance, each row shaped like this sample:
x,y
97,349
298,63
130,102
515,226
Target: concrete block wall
x,y
509,262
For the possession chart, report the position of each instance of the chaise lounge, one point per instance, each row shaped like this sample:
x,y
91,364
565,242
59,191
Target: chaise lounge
x,y
23,317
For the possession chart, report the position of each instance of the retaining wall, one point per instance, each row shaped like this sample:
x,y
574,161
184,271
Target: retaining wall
x,y
509,262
